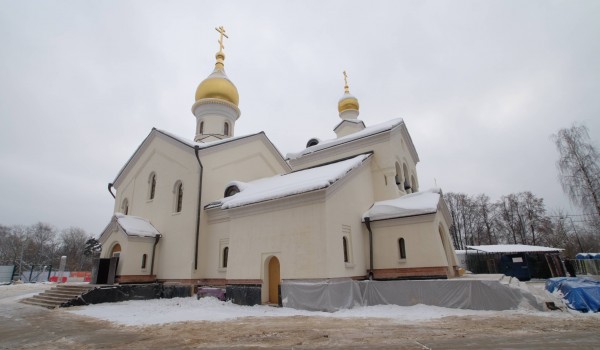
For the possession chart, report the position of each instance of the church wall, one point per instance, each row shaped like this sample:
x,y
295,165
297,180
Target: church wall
x,y
292,232
423,247
344,210
171,164
245,162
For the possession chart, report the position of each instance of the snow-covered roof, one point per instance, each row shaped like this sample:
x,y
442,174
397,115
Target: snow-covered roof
x,y
288,184
512,248
136,226
371,130
192,145
419,203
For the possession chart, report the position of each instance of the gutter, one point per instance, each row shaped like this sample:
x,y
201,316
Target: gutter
x,y
156,239
368,223
110,186
196,150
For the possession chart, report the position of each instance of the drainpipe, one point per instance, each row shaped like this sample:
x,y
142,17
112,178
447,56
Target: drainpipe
x,y
156,239
368,223
110,185
196,150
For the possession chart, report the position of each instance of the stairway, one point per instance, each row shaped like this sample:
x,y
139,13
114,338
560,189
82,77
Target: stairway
x,y
58,295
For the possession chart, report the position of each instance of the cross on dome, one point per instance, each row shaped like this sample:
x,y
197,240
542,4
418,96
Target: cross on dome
x,y
221,31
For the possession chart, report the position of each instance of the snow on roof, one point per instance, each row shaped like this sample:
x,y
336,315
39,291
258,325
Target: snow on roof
x,y
419,203
512,248
202,144
288,184
136,226
375,129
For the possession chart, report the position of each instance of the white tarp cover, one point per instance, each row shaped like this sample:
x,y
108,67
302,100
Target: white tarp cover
x,y
459,294
512,248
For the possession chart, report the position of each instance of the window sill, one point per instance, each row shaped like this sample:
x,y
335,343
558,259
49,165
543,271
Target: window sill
x,y
175,213
349,265
222,269
402,261
149,200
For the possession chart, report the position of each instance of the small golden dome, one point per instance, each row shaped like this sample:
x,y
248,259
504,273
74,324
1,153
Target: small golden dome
x,y
218,86
347,102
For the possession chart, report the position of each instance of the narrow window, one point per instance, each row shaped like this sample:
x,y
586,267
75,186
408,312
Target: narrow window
x,y
178,197
152,186
125,206
225,256
144,257
201,127
226,129
398,176
402,247
345,244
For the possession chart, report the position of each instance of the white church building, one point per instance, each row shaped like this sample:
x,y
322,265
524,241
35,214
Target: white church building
x,y
231,211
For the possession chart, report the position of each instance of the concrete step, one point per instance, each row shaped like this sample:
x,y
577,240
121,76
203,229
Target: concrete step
x,y
31,301
56,296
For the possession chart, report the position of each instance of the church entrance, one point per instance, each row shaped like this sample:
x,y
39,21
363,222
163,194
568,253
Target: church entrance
x,y
274,280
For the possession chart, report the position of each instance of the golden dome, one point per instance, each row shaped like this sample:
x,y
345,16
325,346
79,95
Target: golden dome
x,y
218,86
347,102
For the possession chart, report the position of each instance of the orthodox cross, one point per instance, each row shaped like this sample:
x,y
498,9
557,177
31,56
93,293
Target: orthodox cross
x,y
345,81
221,31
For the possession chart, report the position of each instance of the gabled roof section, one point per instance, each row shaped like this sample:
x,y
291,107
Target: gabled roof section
x,y
366,132
131,226
285,185
420,203
190,146
513,248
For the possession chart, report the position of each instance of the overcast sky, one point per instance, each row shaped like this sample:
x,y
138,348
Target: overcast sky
x,y
481,86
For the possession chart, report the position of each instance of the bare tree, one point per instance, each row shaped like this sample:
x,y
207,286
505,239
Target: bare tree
x,y
73,243
579,168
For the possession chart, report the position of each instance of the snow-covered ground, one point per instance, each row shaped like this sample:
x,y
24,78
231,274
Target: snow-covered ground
x,y
161,311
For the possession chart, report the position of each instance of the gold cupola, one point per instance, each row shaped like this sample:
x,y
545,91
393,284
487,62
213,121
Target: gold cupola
x,y
347,101
216,105
217,85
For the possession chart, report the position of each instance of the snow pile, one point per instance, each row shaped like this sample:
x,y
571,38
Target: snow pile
x,y
162,311
372,130
419,203
136,226
288,184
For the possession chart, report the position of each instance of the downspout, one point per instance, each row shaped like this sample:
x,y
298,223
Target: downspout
x,y
368,223
196,150
110,186
156,239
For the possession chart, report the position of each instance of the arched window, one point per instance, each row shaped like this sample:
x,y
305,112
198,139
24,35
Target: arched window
x,y
152,186
345,245
226,129
125,206
398,176
201,131
225,256
178,196
144,258
312,142
415,187
407,185
402,248
231,190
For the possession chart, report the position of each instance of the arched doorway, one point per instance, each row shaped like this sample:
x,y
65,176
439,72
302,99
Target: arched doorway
x,y
116,251
274,280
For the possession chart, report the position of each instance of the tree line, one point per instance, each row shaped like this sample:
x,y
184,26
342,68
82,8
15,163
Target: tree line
x,y
42,244
522,218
